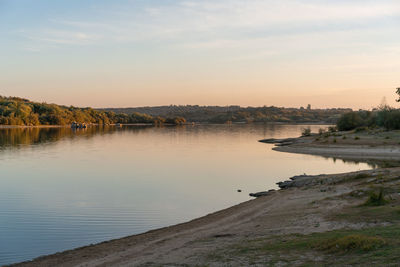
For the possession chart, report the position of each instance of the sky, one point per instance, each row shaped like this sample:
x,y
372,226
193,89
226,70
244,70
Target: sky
x,y
127,53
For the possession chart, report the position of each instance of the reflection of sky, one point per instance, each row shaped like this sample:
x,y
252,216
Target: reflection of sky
x,y
134,53
91,188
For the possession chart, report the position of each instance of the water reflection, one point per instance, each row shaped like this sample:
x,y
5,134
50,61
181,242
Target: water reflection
x,y
13,138
18,137
372,163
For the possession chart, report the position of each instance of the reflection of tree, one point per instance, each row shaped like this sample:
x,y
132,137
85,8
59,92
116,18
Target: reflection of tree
x,y
373,163
17,137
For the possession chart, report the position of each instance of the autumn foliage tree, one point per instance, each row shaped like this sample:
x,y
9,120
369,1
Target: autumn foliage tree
x,y
19,111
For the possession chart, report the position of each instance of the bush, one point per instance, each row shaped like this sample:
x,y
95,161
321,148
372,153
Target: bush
x,y
176,121
360,129
389,118
385,117
376,199
306,132
332,129
353,120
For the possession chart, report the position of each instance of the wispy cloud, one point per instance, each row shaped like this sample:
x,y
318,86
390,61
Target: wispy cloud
x,y
216,24
69,37
259,13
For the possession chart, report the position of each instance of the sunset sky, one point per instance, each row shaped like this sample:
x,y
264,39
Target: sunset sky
x,y
329,53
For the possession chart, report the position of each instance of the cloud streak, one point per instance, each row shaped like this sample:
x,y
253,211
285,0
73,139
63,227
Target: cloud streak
x,y
189,21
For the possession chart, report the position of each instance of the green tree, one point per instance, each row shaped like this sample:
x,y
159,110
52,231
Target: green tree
x,y
350,121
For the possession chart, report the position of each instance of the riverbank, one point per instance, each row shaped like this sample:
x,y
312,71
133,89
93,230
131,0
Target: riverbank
x,y
382,145
314,220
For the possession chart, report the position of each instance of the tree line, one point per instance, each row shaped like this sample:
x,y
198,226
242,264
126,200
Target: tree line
x,y
20,111
217,114
383,116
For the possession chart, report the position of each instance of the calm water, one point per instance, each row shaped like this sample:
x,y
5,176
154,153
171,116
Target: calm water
x,y
61,189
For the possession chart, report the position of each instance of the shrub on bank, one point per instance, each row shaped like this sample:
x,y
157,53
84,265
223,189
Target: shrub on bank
x,y
355,119
176,121
306,132
387,118
376,199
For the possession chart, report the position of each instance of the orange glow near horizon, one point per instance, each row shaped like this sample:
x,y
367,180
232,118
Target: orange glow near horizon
x,y
225,52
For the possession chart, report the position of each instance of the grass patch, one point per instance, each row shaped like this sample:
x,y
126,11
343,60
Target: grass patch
x,y
370,214
390,164
360,176
350,178
353,242
360,129
357,193
376,245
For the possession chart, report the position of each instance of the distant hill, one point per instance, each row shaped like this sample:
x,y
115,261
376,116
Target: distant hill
x,y
223,114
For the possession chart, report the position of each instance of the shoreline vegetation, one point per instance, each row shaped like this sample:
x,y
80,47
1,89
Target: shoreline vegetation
x,y
340,219
238,114
152,124
17,111
23,112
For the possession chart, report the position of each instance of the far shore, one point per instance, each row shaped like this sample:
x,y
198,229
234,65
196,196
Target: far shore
x,y
263,230
66,126
2,126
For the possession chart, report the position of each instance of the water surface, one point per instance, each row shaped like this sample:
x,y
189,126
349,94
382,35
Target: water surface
x,y
61,189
